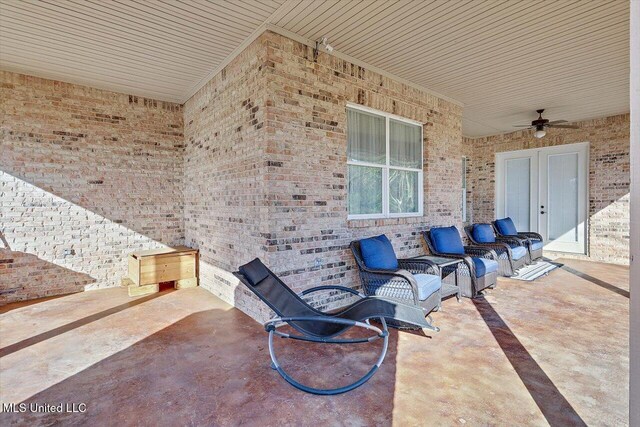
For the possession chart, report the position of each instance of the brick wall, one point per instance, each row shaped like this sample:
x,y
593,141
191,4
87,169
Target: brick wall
x,y
266,171
225,167
86,176
309,231
609,168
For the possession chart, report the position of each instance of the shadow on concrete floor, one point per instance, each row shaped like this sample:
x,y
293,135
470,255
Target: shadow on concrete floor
x,y
553,405
5,351
213,368
597,281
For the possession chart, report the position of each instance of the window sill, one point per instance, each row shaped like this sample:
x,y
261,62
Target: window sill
x,y
381,222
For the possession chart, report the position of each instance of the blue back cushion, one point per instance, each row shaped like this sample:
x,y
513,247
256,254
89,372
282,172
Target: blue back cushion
x,y
377,253
483,233
506,227
447,240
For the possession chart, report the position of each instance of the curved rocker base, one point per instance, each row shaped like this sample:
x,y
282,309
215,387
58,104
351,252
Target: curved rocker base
x,y
384,334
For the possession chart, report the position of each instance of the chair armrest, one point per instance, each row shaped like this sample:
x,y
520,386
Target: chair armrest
x,y
503,244
329,287
464,257
530,235
272,324
408,276
482,252
401,278
499,247
511,240
419,266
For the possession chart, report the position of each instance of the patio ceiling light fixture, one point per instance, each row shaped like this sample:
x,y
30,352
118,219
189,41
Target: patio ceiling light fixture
x,y
541,124
540,132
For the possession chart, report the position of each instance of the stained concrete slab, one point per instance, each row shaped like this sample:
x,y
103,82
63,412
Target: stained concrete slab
x,y
553,351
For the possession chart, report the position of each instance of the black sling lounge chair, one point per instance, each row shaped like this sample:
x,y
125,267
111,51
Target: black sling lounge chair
x,y
316,326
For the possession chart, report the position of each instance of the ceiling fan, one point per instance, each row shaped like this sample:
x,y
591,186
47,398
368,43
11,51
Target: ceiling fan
x,y
540,124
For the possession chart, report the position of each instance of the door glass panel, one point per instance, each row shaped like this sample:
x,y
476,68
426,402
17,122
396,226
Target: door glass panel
x,y
563,197
517,192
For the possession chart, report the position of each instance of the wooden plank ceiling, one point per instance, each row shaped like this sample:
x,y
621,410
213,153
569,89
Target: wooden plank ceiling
x,y
501,58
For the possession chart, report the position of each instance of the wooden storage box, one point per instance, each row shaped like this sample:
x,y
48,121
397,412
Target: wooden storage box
x,y
149,268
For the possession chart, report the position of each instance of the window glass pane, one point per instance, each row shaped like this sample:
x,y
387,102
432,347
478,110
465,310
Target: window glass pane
x,y
464,172
405,145
403,191
365,190
366,139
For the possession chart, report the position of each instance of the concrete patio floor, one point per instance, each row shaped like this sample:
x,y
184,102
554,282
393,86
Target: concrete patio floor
x,y
554,351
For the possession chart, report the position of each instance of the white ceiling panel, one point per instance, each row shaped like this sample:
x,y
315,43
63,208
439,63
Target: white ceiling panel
x,y
501,58
160,49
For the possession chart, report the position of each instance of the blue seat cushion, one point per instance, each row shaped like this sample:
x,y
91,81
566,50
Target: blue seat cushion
x,y
518,252
483,233
536,245
378,253
484,266
427,285
447,240
506,227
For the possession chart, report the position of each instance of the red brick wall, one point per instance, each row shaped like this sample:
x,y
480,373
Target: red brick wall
x,y
86,176
609,178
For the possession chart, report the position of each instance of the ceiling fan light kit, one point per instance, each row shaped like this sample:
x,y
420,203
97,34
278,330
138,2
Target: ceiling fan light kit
x,y
541,124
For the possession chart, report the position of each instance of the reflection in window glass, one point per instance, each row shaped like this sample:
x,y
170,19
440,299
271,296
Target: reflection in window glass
x,y
365,190
403,191
381,148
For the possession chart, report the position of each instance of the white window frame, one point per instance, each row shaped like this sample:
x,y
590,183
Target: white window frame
x,y
387,166
464,189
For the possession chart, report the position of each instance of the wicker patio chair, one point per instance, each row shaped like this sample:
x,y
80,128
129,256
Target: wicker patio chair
x,y
512,255
533,241
480,268
318,327
411,282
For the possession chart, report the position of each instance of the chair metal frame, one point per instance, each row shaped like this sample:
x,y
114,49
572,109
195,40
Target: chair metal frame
x,y
404,312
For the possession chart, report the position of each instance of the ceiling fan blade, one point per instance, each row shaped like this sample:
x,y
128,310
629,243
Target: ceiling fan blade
x,y
555,122
563,126
522,126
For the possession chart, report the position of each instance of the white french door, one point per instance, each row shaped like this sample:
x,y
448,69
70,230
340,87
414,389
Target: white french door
x,y
545,190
